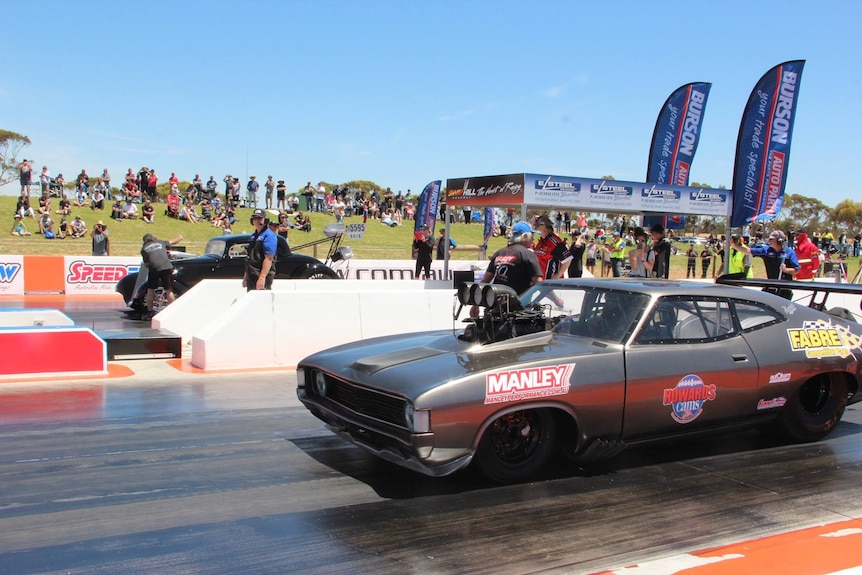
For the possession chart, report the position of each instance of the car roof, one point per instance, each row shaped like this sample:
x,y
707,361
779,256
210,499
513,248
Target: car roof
x,y
662,287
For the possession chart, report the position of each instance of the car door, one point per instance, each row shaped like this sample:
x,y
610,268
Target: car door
x,y
688,368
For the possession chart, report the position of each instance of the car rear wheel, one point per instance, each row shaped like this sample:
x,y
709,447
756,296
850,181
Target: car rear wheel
x,y
815,409
517,445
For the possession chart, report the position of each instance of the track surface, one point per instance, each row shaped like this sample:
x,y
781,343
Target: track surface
x,y
171,472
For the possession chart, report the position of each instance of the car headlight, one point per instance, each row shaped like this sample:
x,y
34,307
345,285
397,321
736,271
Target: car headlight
x,y
300,378
319,383
418,420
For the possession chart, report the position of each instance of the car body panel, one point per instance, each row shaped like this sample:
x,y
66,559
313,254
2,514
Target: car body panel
x,y
728,360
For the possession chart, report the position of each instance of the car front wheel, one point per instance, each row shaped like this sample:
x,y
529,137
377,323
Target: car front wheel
x,y
815,409
319,273
516,445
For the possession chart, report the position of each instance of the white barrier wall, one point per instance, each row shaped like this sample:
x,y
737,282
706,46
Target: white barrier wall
x,y
207,300
277,328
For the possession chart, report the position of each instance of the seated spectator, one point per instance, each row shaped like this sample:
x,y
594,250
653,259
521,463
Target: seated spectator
x,y
18,228
130,211
206,210
220,218
409,211
302,222
387,220
117,210
188,214
23,207
293,203
79,227
81,199
44,205
46,223
98,200
148,212
131,192
65,207
63,228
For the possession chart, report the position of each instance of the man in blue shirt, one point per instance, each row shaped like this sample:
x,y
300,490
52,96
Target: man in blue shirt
x,y
260,264
780,261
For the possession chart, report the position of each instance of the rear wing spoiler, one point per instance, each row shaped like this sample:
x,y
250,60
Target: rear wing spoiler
x,y
819,290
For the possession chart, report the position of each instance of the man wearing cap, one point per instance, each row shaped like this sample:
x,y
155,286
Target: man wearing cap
x,y
260,263
159,269
739,262
780,261
553,255
615,249
515,265
251,192
270,188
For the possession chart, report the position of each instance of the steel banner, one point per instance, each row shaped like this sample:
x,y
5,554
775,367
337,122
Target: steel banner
x,y
763,146
426,210
674,143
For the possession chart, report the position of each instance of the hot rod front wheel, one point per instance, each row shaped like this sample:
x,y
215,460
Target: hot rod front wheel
x,y
516,445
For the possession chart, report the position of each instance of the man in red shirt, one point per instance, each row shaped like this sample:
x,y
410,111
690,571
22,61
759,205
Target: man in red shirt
x,y
553,255
808,255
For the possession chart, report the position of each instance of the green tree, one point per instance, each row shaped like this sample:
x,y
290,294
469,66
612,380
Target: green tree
x,y
847,214
10,144
799,211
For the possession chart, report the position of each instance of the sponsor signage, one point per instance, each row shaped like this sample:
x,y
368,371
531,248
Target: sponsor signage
x,y
11,275
531,383
96,274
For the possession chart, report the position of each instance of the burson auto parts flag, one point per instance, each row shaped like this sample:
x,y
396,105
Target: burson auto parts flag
x,y
674,142
429,204
763,147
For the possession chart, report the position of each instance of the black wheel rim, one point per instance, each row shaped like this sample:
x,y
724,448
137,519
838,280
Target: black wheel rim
x,y
815,395
515,437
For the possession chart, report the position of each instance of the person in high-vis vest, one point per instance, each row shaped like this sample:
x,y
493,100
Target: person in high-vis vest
x,y
615,249
739,264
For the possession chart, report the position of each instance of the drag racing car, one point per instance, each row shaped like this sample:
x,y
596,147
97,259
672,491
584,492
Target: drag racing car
x,y
225,257
583,368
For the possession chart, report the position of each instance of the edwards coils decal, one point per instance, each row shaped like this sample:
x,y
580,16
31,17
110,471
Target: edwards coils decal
x,y
531,383
687,398
821,338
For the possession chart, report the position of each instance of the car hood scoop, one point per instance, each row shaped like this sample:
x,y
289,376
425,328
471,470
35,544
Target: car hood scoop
x,y
373,364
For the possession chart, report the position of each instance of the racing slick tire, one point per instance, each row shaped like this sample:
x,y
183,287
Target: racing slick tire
x,y
317,274
517,445
815,408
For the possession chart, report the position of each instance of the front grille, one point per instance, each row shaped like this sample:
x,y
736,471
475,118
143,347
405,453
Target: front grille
x,y
364,401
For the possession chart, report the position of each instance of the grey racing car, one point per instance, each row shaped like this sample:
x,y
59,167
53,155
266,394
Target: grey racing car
x,y
583,368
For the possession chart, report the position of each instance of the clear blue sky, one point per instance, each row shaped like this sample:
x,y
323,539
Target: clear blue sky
x,y
405,92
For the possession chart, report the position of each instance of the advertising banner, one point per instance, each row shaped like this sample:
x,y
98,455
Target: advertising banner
x,y
96,274
486,191
427,208
674,143
404,269
11,275
763,146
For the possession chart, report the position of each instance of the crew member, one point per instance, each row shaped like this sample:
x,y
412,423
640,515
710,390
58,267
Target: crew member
x,y
160,270
551,251
808,255
515,265
423,244
739,264
780,261
260,263
661,249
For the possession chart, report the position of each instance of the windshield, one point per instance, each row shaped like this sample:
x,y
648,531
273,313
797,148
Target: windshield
x,y
215,247
608,314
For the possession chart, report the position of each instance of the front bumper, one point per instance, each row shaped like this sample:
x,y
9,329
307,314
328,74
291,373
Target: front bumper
x,y
414,451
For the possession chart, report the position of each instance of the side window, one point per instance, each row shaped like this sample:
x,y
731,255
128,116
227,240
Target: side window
x,y
687,319
754,316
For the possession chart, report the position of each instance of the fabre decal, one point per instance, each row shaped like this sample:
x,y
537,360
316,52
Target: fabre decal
x,y
820,338
531,383
688,397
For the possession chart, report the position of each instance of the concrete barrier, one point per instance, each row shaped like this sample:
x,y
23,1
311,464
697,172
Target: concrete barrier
x,y
206,301
33,317
275,329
